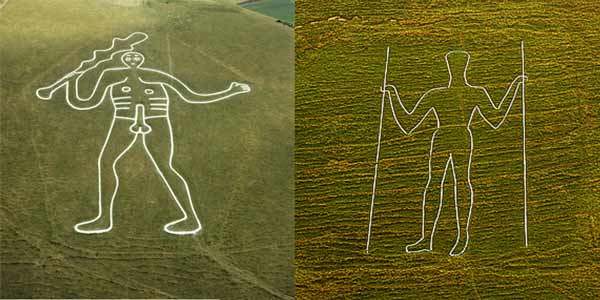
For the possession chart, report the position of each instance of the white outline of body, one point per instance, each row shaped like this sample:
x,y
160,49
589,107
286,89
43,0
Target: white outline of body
x,y
450,161
64,82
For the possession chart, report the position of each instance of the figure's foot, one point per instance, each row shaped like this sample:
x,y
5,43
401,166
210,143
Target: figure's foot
x,y
98,225
421,245
460,246
183,226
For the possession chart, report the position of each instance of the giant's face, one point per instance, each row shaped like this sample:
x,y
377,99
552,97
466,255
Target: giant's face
x,y
132,59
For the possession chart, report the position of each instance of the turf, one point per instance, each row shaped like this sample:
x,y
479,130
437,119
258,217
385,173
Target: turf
x,y
340,56
278,9
236,155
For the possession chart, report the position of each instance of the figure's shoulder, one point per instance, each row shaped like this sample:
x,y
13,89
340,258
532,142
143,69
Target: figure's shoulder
x,y
149,75
436,91
476,88
149,71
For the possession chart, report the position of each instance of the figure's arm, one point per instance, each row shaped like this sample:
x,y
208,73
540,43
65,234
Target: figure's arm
x,y
190,96
85,100
411,119
75,97
490,111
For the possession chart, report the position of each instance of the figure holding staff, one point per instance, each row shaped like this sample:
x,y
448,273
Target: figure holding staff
x,y
451,147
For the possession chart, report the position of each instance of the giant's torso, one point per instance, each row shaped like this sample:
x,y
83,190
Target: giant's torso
x,y
126,95
454,106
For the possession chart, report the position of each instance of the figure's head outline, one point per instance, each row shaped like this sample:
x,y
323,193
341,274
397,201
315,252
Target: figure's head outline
x,y
133,59
466,65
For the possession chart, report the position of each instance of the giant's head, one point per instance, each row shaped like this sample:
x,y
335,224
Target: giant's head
x,y
132,59
457,62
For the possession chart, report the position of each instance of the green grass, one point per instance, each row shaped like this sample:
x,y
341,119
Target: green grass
x,y
236,155
278,9
340,56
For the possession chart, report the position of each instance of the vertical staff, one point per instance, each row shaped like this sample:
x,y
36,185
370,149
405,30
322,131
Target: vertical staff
x,y
524,154
383,91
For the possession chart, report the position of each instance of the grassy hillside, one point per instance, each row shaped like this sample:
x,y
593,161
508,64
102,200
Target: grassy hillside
x,y
236,155
340,56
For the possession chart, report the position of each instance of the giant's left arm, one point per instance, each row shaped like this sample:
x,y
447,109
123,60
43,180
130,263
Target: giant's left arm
x,y
190,96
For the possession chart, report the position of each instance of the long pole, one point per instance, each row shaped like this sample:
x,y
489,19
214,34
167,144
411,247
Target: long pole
x,y
387,58
524,153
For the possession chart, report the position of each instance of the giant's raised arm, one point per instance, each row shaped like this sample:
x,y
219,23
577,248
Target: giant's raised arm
x,y
189,95
95,67
488,110
75,97
411,119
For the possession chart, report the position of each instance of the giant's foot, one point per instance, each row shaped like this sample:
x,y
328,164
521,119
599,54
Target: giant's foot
x,y
101,224
183,226
421,245
460,246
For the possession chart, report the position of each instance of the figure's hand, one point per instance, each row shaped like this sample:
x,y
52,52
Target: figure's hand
x,y
387,88
522,77
44,93
240,87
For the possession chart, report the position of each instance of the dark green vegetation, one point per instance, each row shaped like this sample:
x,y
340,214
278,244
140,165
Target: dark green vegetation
x,y
279,9
235,154
340,52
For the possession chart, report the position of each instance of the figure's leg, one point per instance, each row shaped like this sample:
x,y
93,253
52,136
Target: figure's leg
x,y
159,146
118,141
463,200
432,202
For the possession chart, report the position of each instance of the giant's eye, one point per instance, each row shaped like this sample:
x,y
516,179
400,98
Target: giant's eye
x,y
127,58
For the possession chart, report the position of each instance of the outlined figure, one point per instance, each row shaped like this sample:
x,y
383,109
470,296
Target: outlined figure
x,y
451,148
140,98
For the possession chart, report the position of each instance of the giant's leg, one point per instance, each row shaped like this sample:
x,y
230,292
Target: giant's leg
x,y
118,141
432,201
463,199
159,146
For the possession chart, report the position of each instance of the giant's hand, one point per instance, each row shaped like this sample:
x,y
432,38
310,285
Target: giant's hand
x,y
521,78
388,88
237,87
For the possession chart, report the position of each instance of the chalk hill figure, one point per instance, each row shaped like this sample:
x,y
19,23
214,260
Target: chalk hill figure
x,y
451,150
140,98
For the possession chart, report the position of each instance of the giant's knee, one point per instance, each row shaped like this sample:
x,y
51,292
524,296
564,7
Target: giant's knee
x,y
165,168
108,163
168,171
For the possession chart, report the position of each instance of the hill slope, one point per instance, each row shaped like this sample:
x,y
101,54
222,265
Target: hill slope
x,y
235,154
340,57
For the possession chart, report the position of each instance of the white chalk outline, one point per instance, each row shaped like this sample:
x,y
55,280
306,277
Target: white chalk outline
x,y
450,160
524,151
134,60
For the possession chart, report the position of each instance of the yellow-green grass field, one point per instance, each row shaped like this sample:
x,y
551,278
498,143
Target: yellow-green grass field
x,y
236,156
340,57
